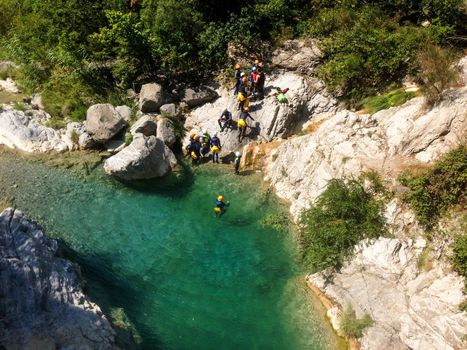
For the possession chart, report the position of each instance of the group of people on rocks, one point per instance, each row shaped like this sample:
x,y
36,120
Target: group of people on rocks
x,y
246,87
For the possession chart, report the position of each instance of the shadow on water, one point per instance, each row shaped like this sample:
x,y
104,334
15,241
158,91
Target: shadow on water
x,y
175,185
110,289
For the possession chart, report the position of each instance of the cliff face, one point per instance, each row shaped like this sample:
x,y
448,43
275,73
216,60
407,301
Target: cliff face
x,y
42,304
349,143
412,308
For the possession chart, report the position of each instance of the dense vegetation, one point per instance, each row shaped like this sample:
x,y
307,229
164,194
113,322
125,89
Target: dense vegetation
x,y
342,216
434,190
80,51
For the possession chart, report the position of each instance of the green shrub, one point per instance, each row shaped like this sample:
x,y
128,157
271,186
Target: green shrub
x,y
352,326
55,123
437,72
459,258
128,138
434,190
19,106
343,215
366,51
391,99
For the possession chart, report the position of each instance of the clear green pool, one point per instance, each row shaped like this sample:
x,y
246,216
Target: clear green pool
x,y
186,279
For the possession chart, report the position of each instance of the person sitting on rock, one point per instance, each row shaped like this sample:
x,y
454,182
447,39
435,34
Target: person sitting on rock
x,y
225,120
242,123
280,93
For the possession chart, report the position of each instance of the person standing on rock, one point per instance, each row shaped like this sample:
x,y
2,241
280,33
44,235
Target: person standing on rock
x,y
243,94
238,78
254,80
238,157
259,83
225,120
242,123
215,148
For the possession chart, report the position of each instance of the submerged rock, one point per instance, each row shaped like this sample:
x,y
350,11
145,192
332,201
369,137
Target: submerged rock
x,y
43,305
144,158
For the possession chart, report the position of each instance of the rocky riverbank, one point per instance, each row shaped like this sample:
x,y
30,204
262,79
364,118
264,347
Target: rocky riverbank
x,y
43,305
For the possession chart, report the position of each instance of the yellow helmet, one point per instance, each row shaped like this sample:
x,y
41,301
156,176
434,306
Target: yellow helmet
x,y
237,66
256,61
220,198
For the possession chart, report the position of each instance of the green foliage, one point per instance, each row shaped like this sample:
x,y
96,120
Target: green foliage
x,y
366,51
434,190
459,258
19,106
391,99
74,137
353,326
128,138
343,215
437,72
55,123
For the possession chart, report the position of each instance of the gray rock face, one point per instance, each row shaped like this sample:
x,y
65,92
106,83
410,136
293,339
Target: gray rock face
x,y
197,97
151,98
25,131
348,143
144,158
165,132
145,125
307,99
86,142
43,306
103,122
125,112
171,110
297,55
411,310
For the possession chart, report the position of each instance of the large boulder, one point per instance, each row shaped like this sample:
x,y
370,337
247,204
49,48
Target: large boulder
x,y
144,158
125,112
165,132
307,99
171,110
24,130
43,305
103,122
145,125
198,96
297,55
151,98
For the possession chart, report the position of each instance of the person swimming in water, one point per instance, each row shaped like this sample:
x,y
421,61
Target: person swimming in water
x,y
220,206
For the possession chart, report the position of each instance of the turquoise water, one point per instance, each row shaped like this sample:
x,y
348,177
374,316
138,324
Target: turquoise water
x,y
186,279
